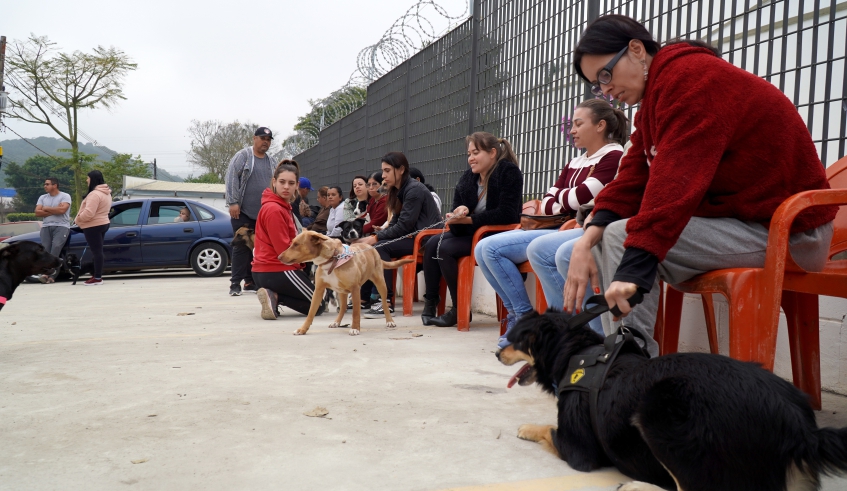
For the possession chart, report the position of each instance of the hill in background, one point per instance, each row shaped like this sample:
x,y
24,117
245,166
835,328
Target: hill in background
x,y
19,151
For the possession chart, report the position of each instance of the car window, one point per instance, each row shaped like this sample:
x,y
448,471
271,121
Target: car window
x,y
204,213
125,214
167,212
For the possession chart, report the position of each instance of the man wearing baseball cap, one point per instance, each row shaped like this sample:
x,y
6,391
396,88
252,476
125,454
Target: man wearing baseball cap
x,y
249,173
300,207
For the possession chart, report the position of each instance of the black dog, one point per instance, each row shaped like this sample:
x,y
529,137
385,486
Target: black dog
x,y
687,421
352,230
22,259
77,267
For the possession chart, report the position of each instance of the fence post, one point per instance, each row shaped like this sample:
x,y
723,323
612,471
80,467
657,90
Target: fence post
x,y
475,15
406,117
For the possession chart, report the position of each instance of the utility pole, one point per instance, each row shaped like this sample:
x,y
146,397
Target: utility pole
x,y
154,169
4,97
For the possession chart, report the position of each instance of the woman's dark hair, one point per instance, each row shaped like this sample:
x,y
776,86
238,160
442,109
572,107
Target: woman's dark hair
x,y
96,179
338,190
617,124
484,142
610,33
398,161
353,194
376,176
286,166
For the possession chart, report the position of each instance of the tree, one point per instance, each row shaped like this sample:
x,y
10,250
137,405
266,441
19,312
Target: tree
x,y
213,144
28,179
122,164
207,178
51,87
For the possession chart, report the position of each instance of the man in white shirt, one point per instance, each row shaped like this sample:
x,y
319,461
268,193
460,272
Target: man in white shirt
x,y
54,207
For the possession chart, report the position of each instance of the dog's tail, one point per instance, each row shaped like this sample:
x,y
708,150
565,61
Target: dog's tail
x,y
396,264
831,451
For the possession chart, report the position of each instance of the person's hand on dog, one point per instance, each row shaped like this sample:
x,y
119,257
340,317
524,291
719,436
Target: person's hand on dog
x,y
582,270
369,240
235,211
459,216
618,294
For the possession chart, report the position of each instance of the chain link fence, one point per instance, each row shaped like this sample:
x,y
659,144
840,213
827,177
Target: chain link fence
x,y
507,70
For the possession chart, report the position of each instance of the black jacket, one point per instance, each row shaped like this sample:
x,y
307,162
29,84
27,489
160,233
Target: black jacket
x,y
503,200
418,210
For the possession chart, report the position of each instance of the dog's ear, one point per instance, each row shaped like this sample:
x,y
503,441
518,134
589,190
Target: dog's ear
x,y
360,220
251,231
10,251
316,238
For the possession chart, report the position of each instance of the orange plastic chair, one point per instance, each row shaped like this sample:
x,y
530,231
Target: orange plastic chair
x,y
410,276
755,294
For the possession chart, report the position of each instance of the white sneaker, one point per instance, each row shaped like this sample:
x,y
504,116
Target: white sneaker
x,y
376,311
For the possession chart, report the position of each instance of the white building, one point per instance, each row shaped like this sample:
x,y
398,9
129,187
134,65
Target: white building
x,y
213,195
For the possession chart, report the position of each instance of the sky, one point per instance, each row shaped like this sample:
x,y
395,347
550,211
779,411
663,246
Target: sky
x,y
208,59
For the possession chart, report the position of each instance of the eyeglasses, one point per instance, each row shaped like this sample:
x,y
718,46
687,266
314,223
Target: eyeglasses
x,y
373,185
604,75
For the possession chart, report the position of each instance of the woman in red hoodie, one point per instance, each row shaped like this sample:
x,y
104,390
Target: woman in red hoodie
x,y
93,219
279,284
716,151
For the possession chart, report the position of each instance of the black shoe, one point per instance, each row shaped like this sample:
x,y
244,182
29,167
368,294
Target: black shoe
x,y
250,288
449,319
429,310
234,290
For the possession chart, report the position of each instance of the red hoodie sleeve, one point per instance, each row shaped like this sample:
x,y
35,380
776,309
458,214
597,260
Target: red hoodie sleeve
x,y
279,233
378,214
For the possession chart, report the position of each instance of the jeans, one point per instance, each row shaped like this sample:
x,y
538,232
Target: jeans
x,y
550,259
94,237
53,239
498,256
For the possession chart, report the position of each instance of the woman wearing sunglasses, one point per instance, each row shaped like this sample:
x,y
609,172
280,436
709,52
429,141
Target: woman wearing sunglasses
x,y
716,151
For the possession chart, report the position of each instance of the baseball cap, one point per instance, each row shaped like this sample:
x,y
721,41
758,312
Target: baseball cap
x,y
264,131
305,183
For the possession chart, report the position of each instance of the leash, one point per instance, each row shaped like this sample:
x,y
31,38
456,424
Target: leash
x,y
385,243
588,369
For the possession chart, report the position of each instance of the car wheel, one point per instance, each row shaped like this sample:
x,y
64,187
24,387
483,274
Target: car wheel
x,y
209,259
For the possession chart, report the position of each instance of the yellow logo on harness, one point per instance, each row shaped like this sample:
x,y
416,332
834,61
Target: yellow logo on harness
x,y
578,374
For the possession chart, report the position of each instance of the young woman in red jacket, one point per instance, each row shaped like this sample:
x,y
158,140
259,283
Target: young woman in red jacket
x,y
716,151
279,284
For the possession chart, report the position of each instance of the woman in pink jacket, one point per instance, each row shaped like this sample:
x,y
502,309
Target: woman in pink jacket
x,y
93,219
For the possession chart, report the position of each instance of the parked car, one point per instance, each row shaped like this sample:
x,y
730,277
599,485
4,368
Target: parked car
x,y
13,229
148,234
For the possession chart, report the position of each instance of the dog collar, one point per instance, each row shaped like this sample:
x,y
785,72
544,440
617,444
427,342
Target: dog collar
x,y
340,259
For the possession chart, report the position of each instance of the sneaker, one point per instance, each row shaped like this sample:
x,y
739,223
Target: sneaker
x,y
234,290
268,300
376,311
93,282
511,320
250,288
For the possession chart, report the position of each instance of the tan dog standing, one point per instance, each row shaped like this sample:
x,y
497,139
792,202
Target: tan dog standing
x,y
346,278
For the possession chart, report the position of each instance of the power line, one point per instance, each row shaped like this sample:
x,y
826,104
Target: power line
x,y
33,144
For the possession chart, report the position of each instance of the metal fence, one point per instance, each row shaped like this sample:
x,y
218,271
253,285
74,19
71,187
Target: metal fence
x,y
507,71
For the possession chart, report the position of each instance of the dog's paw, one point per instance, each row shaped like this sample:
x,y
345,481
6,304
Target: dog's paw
x,y
353,332
300,332
390,324
638,486
333,325
534,433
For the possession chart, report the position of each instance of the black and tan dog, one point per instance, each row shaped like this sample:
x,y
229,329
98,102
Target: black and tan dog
x,y
687,421
344,278
244,236
22,259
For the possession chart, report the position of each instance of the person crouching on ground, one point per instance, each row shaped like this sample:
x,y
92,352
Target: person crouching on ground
x,y
413,209
488,193
279,284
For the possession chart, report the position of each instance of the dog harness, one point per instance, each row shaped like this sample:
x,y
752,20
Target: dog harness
x,y
340,259
588,369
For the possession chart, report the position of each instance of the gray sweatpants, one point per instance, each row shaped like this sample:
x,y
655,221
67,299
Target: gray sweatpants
x,y
53,239
706,244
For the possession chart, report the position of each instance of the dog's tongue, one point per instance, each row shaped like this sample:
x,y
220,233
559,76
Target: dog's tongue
x,y
518,375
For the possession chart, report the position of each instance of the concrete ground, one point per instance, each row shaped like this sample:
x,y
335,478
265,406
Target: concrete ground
x,y
162,381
